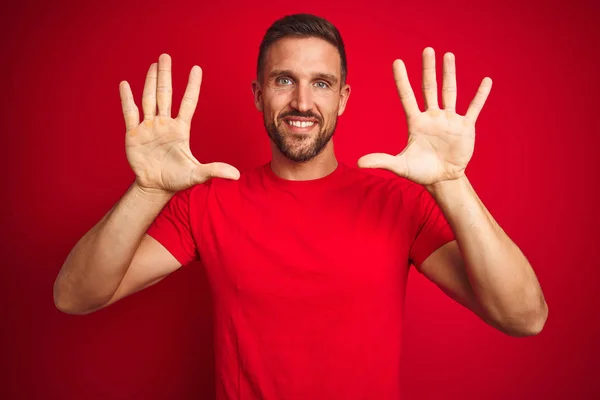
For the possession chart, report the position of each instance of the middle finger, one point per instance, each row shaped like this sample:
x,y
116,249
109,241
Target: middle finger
x,y
429,80
164,90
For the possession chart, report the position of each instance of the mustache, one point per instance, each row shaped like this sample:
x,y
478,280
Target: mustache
x,y
296,113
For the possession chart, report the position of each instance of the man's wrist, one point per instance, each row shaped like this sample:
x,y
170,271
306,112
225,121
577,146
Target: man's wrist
x,y
448,186
151,195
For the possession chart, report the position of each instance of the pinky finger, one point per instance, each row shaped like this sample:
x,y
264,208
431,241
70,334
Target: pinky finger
x,y
479,99
130,110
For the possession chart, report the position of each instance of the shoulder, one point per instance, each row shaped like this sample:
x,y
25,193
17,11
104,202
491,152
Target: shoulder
x,y
223,188
383,183
248,178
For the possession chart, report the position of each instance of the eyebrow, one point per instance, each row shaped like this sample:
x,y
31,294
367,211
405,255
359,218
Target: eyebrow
x,y
321,75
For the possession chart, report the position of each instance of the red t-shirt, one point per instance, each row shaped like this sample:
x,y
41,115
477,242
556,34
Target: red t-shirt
x,y
308,277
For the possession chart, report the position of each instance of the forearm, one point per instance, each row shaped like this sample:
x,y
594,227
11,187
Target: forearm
x,y
502,279
97,264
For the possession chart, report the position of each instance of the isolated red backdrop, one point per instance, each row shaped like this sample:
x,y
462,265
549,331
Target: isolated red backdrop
x,y
535,167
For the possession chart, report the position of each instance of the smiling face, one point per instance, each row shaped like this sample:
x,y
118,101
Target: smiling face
x,y
301,95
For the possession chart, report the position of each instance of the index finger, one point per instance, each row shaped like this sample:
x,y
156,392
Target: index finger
x,y
479,99
407,96
190,97
149,94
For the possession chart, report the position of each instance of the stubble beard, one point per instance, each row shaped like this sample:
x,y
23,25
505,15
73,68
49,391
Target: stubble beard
x,y
299,148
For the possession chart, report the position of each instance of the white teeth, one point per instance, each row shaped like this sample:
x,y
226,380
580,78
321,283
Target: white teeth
x,y
300,124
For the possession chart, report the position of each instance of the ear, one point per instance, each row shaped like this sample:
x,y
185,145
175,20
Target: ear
x,y
344,95
257,92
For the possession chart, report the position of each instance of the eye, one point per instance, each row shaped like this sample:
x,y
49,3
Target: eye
x,y
283,81
322,85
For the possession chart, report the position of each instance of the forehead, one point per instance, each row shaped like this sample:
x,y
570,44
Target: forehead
x,y
303,55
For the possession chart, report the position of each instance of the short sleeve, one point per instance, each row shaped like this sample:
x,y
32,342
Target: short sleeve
x,y
431,229
173,227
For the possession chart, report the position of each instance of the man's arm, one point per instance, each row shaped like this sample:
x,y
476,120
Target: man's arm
x,y
484,269
151,263
494,274
116,257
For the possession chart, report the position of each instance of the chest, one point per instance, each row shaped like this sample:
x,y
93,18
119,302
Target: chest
x,y
305,249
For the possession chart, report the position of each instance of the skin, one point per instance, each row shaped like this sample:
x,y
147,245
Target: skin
x,y
301,78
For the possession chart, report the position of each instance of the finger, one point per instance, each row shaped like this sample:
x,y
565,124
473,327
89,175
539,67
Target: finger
x,y
429,80
395,164
149,96
449,85
190,97
205,172
130,110
479,99
407,96
164,89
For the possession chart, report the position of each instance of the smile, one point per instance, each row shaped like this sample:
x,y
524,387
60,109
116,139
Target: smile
x,y
300,124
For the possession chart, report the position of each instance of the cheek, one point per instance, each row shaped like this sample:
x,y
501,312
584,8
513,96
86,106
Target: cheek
x,y
326,98
276,103
328,107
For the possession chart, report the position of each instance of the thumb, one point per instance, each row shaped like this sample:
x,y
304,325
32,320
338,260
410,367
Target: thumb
x,y
205,172
395,164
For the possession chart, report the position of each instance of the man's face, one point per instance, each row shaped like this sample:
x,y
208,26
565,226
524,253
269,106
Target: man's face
x,y
301,95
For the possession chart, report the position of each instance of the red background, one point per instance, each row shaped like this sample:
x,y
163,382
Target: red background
x,y
535,167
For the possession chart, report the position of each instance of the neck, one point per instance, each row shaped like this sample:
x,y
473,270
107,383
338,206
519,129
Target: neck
x,y
320,166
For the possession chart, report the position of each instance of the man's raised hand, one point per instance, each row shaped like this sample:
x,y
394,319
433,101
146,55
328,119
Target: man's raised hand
x,y
440,141
158,148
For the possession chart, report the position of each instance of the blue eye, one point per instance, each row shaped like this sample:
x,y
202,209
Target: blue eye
x,y
322,85
280,81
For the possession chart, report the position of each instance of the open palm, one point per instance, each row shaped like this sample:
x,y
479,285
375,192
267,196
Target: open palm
x,y
440,141
158,148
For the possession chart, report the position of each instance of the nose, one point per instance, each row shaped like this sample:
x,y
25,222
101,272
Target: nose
x,y
302,100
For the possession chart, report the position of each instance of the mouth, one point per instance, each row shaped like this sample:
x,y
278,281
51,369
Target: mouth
x,y
300,125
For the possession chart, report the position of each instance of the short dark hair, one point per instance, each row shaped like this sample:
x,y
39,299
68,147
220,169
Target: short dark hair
x,y
302,26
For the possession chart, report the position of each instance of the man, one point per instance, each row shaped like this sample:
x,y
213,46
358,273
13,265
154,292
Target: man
x,y
307,257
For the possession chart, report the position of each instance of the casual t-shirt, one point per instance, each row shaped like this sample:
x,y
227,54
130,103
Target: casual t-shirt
x,y
308,277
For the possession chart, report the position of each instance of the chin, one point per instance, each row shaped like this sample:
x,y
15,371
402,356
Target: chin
x,y
304,152
298,145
